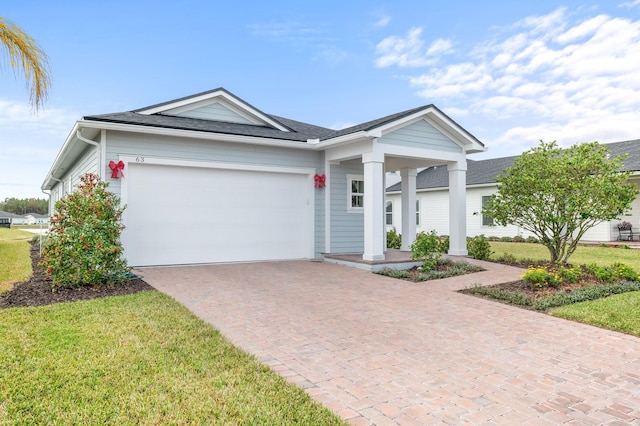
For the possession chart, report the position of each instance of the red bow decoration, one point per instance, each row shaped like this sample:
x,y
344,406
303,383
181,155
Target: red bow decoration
x,y
320,180
116,169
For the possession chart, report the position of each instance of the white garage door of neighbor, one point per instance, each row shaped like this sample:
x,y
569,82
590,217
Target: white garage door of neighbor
x,y
183,215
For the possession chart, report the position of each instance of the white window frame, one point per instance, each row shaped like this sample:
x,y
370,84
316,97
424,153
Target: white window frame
x,y
388,213
350,207
482,204
417,212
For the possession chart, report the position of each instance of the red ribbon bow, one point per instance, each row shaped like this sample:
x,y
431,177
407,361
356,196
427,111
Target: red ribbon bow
x,y
116,169
320,180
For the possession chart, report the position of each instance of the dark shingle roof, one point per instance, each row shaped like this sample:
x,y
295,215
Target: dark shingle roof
x,y
300,132
486,171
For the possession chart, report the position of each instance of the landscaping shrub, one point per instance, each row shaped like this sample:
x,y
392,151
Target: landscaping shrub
x,y
518,239
394,240
507,258
493,238
479,247
616,272
540,277
83,247
531,239
506,239
427,248
569,275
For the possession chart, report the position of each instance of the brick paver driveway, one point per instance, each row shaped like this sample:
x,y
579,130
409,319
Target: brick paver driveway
x,y
382,351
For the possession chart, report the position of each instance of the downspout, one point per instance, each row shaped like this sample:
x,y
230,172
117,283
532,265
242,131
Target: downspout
x,y
98,150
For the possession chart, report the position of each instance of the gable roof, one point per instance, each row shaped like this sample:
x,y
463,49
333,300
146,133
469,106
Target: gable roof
x,y
265,126
219,115
481,172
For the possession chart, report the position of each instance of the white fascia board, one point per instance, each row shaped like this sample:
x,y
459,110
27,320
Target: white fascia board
x,y
230,101
413,152
344,139
68,143
194,134
440,122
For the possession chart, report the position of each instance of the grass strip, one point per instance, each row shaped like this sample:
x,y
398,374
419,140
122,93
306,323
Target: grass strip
x,y
602,256
15,262
136,359
620,312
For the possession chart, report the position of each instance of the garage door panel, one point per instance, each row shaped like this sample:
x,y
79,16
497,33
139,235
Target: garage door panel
x,y
182,215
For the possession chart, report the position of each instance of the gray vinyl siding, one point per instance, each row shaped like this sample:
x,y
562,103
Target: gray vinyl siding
x,y
319,214
421,134
152,146
347,229
215,112
87,163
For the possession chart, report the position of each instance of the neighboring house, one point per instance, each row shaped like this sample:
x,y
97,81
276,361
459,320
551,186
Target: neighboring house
x,y
35,219
433,207
8,219
211,178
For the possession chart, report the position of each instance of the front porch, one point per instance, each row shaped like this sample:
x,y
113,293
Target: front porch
x,y
355,195
394,258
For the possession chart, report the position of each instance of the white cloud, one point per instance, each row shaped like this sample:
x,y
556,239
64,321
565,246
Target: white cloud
x,y
28,146
410,51
383,21
545,77
630,4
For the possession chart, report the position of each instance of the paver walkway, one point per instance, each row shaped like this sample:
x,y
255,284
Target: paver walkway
x,y
377,350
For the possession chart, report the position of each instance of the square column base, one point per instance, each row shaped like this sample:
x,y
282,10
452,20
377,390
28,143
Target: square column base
x,y
373,257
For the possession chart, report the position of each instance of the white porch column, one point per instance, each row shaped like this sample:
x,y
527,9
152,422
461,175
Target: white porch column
x,y
374,243
457,208
408,188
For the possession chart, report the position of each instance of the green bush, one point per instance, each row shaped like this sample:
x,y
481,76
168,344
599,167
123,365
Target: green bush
x,y
616,272
427,248
83,247
493,238
518,239
540,277
479,247
569,275
394,240
531,239
506,239
507,258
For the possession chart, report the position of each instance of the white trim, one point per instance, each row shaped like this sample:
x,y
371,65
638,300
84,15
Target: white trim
x,y
141,159
350,208
388,203
327,207
197,134
188,103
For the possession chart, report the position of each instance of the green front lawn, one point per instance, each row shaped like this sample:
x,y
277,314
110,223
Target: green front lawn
x,y
15,262
137,359
620,312
603,256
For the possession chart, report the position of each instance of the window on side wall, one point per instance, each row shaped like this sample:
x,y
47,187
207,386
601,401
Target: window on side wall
x,y
389,213
356,193
486,220
417,212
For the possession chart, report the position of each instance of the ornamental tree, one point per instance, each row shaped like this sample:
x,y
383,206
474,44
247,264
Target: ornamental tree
x,y
558,194
83,247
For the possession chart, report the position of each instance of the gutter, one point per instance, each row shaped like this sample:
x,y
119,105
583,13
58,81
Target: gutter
x,y
98,150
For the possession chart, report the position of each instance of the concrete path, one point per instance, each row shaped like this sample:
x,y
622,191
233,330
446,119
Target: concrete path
x,y
382,351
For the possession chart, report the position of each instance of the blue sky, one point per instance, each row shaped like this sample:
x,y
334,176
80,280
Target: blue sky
x,y
511,73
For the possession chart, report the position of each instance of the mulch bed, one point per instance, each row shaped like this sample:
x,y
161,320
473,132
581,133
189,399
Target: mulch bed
x,y
37,291
521,286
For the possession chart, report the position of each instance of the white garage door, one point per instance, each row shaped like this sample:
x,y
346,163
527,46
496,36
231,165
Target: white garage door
x,y
184,215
